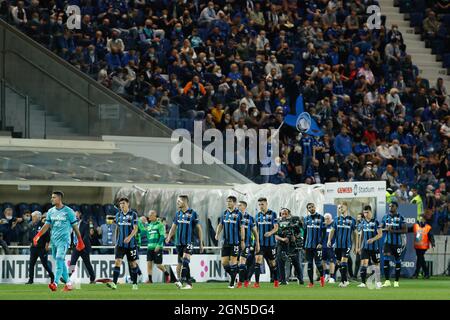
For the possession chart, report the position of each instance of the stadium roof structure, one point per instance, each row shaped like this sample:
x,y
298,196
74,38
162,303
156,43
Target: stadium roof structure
x,y
91,168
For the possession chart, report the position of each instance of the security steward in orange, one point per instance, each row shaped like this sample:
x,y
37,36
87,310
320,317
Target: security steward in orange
x,y
423,237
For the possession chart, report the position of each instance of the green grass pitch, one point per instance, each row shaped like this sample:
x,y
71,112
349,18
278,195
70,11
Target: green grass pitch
x,y
409,290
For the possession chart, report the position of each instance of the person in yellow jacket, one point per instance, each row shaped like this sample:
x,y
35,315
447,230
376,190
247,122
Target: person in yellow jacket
x,y
417,199
390,195
423,238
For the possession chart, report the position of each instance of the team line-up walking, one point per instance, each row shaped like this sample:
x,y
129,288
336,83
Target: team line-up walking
x,y
247,241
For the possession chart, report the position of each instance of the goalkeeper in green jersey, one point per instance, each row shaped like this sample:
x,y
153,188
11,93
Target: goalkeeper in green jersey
x,y
155,234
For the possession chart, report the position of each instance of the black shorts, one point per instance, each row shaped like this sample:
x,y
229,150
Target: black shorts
x,y
394,250
328,255
229,250
131,253
313,254
342,253
268,253
371,255
182,249
245,253
155,257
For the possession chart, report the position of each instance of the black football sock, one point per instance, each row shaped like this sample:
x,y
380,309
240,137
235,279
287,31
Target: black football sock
x,y
363,274
257,272
116,273
242,272
387,268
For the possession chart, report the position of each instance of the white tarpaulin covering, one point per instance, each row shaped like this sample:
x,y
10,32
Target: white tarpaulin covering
x,y
210,203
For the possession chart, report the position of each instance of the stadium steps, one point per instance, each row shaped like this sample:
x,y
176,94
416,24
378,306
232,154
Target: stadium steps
x,y
43,125
421,56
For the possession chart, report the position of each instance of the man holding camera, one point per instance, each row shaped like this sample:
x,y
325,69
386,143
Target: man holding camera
x,y
290,241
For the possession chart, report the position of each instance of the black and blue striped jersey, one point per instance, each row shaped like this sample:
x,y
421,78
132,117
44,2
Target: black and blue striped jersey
x,y
369,230
315,230
186,223
231,222
125,225
343,229
265,222
248,222
396,223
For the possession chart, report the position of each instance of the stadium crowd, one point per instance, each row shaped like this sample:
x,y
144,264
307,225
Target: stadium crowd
x,y
242,64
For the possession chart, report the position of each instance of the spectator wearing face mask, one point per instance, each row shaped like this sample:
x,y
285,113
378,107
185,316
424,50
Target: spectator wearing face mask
x,y
6,223
21,227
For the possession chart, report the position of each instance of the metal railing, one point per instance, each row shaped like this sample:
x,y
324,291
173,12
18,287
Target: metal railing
x,y
12,115
63,90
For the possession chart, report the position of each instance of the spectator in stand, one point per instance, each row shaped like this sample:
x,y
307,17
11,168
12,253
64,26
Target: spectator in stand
x,y
6,223
390,176
21,228
343,144
431,25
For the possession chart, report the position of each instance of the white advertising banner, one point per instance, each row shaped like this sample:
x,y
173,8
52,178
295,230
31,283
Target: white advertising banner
x,y
205,267
375,190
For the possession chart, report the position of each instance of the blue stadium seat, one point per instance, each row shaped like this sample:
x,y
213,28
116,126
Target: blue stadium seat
x,y
9,205
110,209
35,207
446,60
416,19
74,207
86,210
46,207
446,20
21,208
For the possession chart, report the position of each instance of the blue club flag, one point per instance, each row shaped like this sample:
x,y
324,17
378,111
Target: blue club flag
x,y
302,120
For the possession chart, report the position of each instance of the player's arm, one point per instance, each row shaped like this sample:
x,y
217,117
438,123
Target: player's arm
x,y
359,239
200,236
172,231
219,228
272,232
404,228
242,230
162,231
355,240
80,243
330,236
41,233
256,235
132,234
377,237
323,231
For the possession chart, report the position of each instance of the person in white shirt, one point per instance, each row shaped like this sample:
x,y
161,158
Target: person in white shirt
x,y
19,14
261,41
272,64
248,100
207,15
383,151
396,151
240,112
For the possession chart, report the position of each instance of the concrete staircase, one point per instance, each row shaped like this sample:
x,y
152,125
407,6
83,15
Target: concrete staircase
x,y
42,124
429,68
47,126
